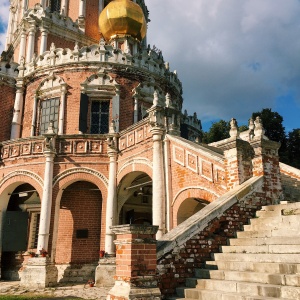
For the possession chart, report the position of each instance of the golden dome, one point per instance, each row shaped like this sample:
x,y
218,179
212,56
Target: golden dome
x,y
122,17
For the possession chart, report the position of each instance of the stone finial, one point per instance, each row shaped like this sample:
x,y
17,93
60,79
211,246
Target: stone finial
x,y
155,98
168,100
50,129
185,113
52,47
76,47
234,132
251,128
22,61
167,65
112,126
259,129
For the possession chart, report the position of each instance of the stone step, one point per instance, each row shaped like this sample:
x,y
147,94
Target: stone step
x,y
268,213
249,233
219,295
265,241
275,268
260,257
283,222
249,288
267,278
292,220
262,249
280,207
192,282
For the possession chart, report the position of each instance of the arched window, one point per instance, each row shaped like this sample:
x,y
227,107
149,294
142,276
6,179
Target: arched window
x,y
55,5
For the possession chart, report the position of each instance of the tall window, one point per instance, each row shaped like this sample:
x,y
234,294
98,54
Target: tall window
x,y
99,117
49,112
55,5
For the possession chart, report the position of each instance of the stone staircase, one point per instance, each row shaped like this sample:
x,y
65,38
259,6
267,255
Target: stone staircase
x,y
263,262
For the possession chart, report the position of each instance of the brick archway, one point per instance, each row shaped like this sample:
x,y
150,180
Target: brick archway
x,y
139,165
190,192
16,178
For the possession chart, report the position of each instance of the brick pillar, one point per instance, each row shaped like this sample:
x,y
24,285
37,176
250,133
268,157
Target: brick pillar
x,y
266,163
136,263
238,154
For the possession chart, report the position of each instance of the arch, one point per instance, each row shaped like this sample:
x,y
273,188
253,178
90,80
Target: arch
x,y
89,173
51,85
100,84
191,192
13,180
135,190
136,164
68,177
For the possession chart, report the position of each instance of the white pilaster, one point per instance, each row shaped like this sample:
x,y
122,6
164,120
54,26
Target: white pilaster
x,y
18,109
22,45
9,27
111,205
158,186
30,44
44,36
116,110
101,5
62,109
81,8
136,110
64,7
43,3
45,217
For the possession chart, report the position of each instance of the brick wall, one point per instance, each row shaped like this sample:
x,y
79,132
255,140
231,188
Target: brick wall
x,y
6,112
207,235
80,208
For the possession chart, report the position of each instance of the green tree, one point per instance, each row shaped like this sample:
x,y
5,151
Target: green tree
x,y
217,132
293,148
275,131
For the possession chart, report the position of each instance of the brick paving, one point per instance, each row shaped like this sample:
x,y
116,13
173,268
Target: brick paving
x,y
60,292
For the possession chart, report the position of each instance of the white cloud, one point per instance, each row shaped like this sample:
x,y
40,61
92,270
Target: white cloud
x,y
4,8
233,56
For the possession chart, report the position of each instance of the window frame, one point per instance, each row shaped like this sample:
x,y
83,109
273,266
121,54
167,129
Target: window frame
x,y
56,122
101,101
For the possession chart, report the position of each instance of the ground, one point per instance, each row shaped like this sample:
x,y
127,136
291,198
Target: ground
x,y
11,290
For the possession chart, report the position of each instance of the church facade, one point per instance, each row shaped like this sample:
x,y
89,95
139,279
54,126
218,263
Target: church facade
x,y
93,136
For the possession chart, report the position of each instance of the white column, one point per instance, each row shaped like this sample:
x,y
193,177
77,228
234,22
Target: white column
x,y
101,5
64,7
46,204
111,204
30,44
9,27
34,112
43,45
23,8
136,110
17,115
22,45
62,109
43,3
158,187
81,8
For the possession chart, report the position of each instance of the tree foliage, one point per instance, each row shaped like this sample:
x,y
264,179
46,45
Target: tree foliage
x,y
217,132
293,148
289,151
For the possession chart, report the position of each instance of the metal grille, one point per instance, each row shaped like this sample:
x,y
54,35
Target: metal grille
x,y
99,117
36,226
49,112
55,5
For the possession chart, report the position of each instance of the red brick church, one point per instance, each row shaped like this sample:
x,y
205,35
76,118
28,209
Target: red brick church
x,y
93,135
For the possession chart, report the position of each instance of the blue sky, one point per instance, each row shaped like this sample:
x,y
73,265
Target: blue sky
x,y
234,57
